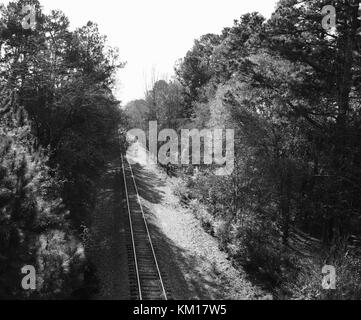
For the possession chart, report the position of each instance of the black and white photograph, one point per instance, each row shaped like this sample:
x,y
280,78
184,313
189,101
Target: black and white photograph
x,y
200,151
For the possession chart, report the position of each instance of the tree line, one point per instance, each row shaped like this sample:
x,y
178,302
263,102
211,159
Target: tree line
x,y
58,128
290,89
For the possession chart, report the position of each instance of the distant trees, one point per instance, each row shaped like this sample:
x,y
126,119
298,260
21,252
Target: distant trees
x,y
137,112
164,103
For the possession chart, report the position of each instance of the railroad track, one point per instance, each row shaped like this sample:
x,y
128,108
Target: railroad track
x,y
145,277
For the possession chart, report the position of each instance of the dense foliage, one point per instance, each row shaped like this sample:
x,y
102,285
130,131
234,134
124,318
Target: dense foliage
x,y
290,89
59,127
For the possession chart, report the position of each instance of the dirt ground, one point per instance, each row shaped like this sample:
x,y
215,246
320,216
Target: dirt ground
x,y
191,263
106,245
191,259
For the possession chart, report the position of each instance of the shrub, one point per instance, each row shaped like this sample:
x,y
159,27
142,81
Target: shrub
x,y
34,229
308,283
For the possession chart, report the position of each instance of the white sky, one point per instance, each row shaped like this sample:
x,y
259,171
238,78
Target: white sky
x,y
154,34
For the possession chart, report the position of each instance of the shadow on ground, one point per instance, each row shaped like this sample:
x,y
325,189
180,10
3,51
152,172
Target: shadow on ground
x,y
181,270
146,181
105,245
